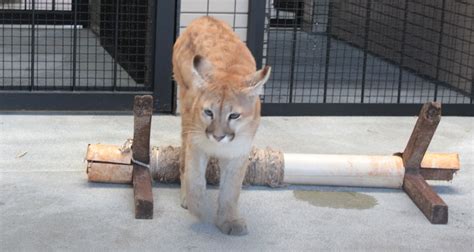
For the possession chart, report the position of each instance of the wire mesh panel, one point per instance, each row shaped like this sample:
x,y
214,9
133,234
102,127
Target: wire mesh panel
x,y
367,51
83,45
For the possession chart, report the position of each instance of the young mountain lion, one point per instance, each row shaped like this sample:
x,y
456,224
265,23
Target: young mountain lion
x,y
219,91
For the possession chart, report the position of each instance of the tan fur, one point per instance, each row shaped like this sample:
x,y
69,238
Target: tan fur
x,y
215,71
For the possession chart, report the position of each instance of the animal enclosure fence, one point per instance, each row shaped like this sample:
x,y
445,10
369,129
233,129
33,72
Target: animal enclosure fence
x,y
329,57
370,54
81,54
74,45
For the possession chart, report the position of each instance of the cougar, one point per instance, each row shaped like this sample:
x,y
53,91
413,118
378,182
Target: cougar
x,y
219,89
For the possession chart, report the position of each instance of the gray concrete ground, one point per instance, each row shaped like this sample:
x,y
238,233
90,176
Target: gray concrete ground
x,y
47,204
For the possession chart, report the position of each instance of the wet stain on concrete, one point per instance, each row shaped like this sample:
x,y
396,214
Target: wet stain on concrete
x,y
344,200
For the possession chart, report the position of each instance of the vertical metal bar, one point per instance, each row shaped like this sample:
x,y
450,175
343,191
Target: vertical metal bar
x,y
293,57
165,28
366,48
53,8
472,85
32,70
150,36
256,29
440,41
234,15
116,33
328,51
74,48
402,51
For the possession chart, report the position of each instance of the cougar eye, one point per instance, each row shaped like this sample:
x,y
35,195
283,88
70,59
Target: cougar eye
x,y
234,116
208,112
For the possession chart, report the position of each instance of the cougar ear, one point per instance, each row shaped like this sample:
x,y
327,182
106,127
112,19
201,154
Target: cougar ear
x,y
202,70
257,80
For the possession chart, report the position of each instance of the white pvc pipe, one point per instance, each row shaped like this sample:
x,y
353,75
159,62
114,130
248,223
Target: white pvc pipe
x,y
344,170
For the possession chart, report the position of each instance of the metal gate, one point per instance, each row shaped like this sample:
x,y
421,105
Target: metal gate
x,y
85,54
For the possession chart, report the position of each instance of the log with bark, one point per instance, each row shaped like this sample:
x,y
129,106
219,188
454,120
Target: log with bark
x,y
112,164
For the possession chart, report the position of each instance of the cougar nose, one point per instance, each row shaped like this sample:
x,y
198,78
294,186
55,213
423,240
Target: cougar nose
x,y
218,138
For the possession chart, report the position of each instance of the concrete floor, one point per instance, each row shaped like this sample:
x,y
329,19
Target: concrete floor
x,y
47,204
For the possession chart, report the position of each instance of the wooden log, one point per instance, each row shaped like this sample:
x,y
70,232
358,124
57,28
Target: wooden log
x,y
109,173
432,206
445,161
420,138
164,165
108,153
143,197
439,166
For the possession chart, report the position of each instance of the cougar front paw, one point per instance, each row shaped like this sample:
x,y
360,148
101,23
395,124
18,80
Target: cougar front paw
x,y
234,227
184,203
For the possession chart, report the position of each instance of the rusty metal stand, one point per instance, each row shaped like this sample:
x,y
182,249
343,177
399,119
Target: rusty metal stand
x,y
414,184
141,178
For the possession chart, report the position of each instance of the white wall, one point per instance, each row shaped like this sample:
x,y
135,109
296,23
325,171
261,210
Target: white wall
x,y
234,12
